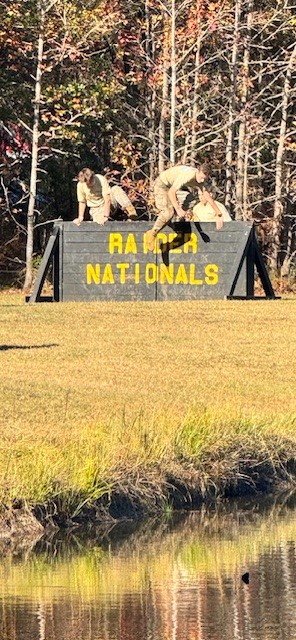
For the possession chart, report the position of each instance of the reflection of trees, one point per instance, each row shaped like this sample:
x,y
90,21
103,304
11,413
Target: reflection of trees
x,y
178,581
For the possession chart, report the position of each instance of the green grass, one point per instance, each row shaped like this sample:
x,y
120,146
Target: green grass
x,y
97,395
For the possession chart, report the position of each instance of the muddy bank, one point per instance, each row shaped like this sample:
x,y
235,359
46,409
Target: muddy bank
x,y
147,492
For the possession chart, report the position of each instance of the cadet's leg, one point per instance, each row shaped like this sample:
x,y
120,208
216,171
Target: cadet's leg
x,y
98,215
166,212
119,197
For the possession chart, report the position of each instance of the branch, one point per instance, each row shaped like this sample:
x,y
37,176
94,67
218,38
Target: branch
x,y
8,206
41,224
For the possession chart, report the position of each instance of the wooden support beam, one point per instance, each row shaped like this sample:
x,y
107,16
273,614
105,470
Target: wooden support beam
x,y
51,247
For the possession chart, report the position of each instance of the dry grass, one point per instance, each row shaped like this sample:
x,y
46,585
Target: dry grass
x,y
91,389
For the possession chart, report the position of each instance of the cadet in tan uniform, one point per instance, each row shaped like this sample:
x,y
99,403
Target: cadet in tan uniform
x,y
94,191
166,186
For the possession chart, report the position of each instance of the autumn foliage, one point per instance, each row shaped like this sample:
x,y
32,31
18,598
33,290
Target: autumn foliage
x,y
137,85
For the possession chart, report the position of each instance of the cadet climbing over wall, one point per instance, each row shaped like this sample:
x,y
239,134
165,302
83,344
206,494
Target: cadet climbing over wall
x,y
168,183
94,191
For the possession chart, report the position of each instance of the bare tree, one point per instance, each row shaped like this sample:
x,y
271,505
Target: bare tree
x,y
173,82
242,146
232,105
35,140
164,112
278,204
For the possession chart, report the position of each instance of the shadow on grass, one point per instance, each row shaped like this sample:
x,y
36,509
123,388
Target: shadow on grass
x,y
7,347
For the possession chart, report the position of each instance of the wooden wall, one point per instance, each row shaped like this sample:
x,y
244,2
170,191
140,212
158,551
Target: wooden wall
x,y
190,261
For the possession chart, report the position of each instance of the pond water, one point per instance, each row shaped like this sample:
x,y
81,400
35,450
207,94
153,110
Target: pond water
x,y
171,579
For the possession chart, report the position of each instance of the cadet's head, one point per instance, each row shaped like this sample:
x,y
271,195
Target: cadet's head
x,y
203,172
86,175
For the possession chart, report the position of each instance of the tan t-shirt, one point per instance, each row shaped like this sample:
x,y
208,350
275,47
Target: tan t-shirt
x,y
180,176
205,212
94,195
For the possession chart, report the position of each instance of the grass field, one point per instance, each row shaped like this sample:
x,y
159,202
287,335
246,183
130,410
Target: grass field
x,y
93,393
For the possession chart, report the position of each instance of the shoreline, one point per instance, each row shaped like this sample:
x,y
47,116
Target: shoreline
x,y
145,493
165,407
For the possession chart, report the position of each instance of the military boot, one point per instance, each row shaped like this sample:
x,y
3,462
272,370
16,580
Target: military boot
x,y
131,212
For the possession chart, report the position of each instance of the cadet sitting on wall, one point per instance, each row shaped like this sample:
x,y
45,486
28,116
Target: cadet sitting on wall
x,y
94,191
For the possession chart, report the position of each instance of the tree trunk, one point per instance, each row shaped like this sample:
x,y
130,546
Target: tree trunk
x,y
165,97
151,102
173,83
242,144
196,87
246,182
232,107
278,204
34,160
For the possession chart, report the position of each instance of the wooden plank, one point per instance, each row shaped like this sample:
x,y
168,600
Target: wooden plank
x,y
83,236
174,292
80,266
198,258
206,234
167,250
61,261
262,271
128,276
109,292
73,262
250,271
92,227
56,274
118,279
253,298
240,257
45,263
41,299
216,237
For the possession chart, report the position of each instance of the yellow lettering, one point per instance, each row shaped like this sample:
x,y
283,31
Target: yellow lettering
x,y
122,266
174,242
190,242
93,273
130,246
211,271
151,273
192,279
166,274
181,276
108,276
115,243
137,273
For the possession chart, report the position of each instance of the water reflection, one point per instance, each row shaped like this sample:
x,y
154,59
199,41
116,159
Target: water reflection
x,y
169,580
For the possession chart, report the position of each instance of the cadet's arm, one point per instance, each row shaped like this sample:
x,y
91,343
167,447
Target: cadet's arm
x,y
218,214
81,212
172,193
107,205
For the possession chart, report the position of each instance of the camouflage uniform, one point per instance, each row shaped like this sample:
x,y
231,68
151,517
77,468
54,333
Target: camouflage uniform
x,y
180,177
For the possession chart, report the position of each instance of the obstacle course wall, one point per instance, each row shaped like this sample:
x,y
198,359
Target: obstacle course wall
x,y
190,261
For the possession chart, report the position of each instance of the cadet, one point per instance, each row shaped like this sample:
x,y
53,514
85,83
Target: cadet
x,y
179,177
94,191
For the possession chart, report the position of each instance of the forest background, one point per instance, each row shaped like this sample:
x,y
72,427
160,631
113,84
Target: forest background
x,y
129,88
